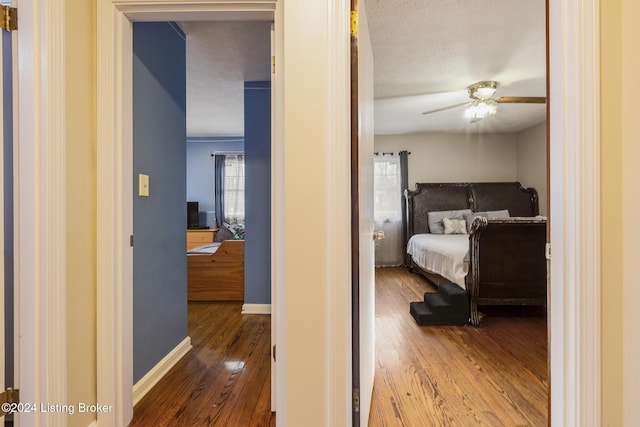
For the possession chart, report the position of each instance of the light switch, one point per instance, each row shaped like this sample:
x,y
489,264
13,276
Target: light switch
x,y
143,185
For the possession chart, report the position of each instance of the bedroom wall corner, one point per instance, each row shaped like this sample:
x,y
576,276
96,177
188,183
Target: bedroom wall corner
x,y
532,161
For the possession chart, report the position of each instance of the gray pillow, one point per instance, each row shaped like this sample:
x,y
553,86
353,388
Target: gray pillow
x,y
223,234
504,213
435,219
470,217
488,214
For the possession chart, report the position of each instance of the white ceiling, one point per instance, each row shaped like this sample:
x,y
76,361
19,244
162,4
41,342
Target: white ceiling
x,y
221,56
426,52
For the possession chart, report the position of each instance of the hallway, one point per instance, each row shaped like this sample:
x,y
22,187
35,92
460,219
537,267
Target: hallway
x,y
224,380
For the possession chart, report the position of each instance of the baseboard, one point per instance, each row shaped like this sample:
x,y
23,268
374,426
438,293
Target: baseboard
x,y
256,308
145,384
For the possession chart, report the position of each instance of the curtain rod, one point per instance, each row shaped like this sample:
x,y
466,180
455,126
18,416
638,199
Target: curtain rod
x,y
224,153
390,153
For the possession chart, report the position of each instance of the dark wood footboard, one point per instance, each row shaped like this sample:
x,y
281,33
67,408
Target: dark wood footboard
x,y
507,264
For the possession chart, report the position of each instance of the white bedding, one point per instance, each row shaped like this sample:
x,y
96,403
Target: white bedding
x,y
443,254
207,249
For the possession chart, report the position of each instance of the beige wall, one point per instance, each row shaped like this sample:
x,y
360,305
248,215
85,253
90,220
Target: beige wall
x,y
80,45
630,208
620,150
442,157
611,220
630,232
532,161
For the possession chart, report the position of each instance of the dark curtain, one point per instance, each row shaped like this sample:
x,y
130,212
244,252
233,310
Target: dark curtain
x,y
404,184
218,162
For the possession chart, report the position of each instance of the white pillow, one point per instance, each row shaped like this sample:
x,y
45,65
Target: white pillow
x,y
435,219
454,226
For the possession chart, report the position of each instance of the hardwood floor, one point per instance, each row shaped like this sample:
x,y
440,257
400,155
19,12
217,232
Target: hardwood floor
x,y
494,375
225,380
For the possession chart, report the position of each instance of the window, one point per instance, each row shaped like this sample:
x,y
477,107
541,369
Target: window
x,y
234,188
386,185
387,208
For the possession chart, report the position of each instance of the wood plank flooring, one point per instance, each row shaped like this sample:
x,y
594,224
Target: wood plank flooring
x,y
495,375
225,380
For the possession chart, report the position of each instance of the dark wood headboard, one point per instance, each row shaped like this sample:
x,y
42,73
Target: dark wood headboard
x,y
477,196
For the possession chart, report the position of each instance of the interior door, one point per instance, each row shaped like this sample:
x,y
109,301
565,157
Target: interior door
x,y
7,323
363,318
273,191
5,195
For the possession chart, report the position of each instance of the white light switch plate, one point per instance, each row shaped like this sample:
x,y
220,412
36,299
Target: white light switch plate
x,y
143,185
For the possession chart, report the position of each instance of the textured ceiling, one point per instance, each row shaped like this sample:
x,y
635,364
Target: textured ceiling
x,y
426,52
221,56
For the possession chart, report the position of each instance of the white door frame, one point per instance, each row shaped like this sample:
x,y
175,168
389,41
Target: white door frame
x,y
574,308
574,305
40,198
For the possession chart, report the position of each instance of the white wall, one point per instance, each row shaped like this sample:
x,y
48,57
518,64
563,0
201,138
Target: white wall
x,y
532,161
315,307
442,157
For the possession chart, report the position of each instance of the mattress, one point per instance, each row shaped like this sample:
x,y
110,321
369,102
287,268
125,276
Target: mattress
x,y
443,254
207,249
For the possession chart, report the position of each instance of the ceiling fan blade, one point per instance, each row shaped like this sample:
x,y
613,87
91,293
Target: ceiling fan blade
x,y
447,108
521,100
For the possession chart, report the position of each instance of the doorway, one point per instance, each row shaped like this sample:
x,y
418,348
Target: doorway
x,y
121,367
166,99
459,151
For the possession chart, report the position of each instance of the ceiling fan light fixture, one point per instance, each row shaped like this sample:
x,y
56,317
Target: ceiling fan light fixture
x,y
482,90
485,92
480,110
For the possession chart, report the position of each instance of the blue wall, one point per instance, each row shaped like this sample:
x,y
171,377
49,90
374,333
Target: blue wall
x,y
159,221
200,171
7,90
257,246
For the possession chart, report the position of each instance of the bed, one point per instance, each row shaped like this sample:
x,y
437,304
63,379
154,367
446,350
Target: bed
x,y
501,261
215,272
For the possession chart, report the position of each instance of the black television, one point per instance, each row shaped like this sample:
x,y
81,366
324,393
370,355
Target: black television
x,y
193,216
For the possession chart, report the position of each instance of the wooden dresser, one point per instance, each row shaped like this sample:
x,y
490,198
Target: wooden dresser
x,y
197,238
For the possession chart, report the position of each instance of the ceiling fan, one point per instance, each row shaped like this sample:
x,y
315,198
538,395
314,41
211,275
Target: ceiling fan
x,y
483,104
